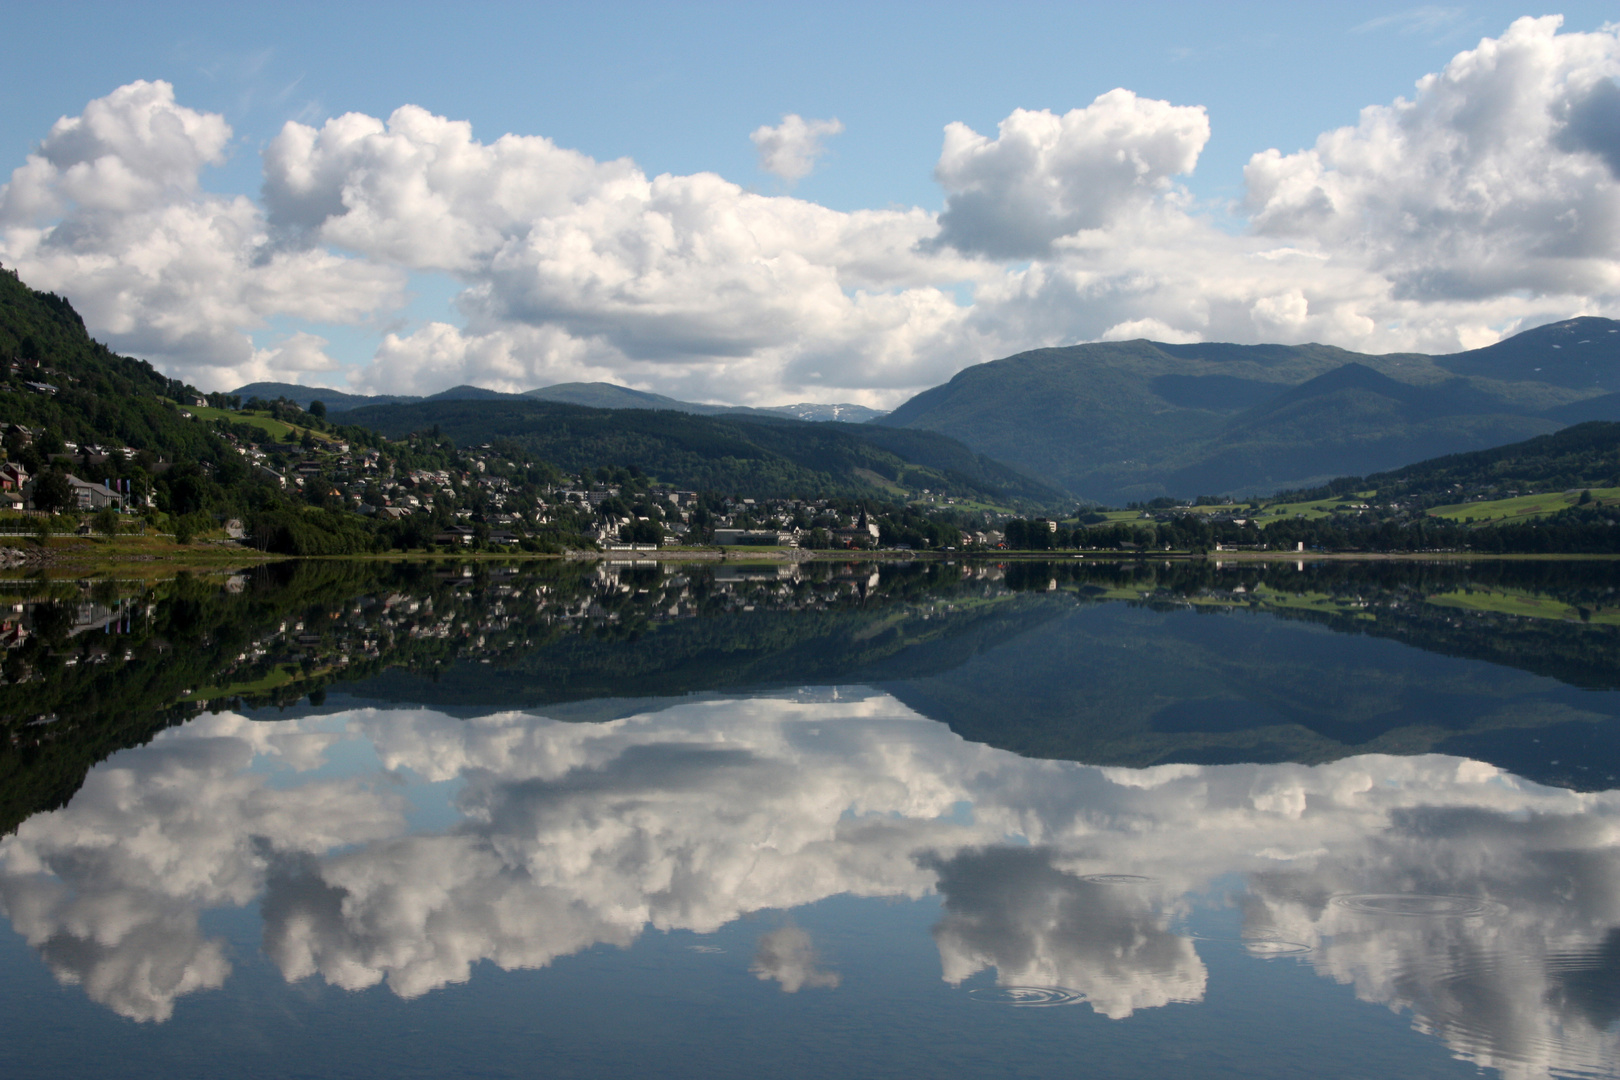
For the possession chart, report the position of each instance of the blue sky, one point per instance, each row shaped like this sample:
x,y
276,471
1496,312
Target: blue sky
x,y
678,89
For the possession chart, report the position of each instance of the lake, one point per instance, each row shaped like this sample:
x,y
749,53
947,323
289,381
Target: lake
x,y
864,820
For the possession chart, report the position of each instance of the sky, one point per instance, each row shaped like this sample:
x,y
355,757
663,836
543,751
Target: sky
x,y
765,203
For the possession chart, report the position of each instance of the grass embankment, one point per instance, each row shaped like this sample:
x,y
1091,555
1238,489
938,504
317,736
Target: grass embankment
x,y
1310,511
882,483
152,555
1496,601
271,427
968,506
1521,508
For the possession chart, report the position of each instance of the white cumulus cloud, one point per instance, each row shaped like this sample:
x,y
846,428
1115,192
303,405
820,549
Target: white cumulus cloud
x,y
1494,177
787,956
110,212
1046,176
1487,201
790,149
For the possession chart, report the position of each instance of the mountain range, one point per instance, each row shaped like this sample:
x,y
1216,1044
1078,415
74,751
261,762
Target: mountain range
x,y
598,395
758,455
1115,422
1134,420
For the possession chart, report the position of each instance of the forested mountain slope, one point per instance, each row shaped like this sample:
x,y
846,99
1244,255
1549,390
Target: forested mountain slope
x,y
1120,421
753,456
54,376
1583,456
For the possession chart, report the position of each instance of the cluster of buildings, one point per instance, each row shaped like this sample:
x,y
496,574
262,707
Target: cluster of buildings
x,y
17,485
479,496
17,489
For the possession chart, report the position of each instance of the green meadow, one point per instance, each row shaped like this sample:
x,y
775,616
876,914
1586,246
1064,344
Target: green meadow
x,y
1524,506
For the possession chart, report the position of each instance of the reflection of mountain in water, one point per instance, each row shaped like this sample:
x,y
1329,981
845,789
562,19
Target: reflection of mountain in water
x,y
1180,662
1130,685
1125,663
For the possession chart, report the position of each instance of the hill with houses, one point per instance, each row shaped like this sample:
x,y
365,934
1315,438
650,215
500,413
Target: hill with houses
x,y
88,431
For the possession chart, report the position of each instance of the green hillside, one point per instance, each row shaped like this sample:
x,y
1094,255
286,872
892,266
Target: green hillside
x,y
1583,456
1126,421
95,395
1352,414
753,457
191,467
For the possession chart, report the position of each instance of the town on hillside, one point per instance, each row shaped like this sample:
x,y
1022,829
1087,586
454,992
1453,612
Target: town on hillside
x,y
423,493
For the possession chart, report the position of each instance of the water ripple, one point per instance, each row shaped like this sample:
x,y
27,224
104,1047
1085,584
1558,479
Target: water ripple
x,y
1027,997
1419,905
1117,879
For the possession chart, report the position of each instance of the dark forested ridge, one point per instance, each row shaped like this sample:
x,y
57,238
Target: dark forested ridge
x,y
754,457
188,463
54,376
1130,421
596,395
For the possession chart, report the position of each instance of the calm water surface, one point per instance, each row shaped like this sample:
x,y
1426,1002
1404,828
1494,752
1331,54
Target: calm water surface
x,y
1040,820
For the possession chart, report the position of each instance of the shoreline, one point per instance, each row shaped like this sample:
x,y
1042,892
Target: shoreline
x,y
82,557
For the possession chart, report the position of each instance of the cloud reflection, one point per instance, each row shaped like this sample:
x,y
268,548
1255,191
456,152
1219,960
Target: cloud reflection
x,y
1530,985
571,835
1011,909
787,956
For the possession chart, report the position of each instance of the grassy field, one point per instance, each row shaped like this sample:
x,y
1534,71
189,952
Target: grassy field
x,y
1310,511
1523,507
263,421
1265,515
970,506
279,676
274,428
1308,601
883,483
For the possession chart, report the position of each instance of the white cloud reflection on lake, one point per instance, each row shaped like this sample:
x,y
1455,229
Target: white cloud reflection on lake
x,y
689,817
